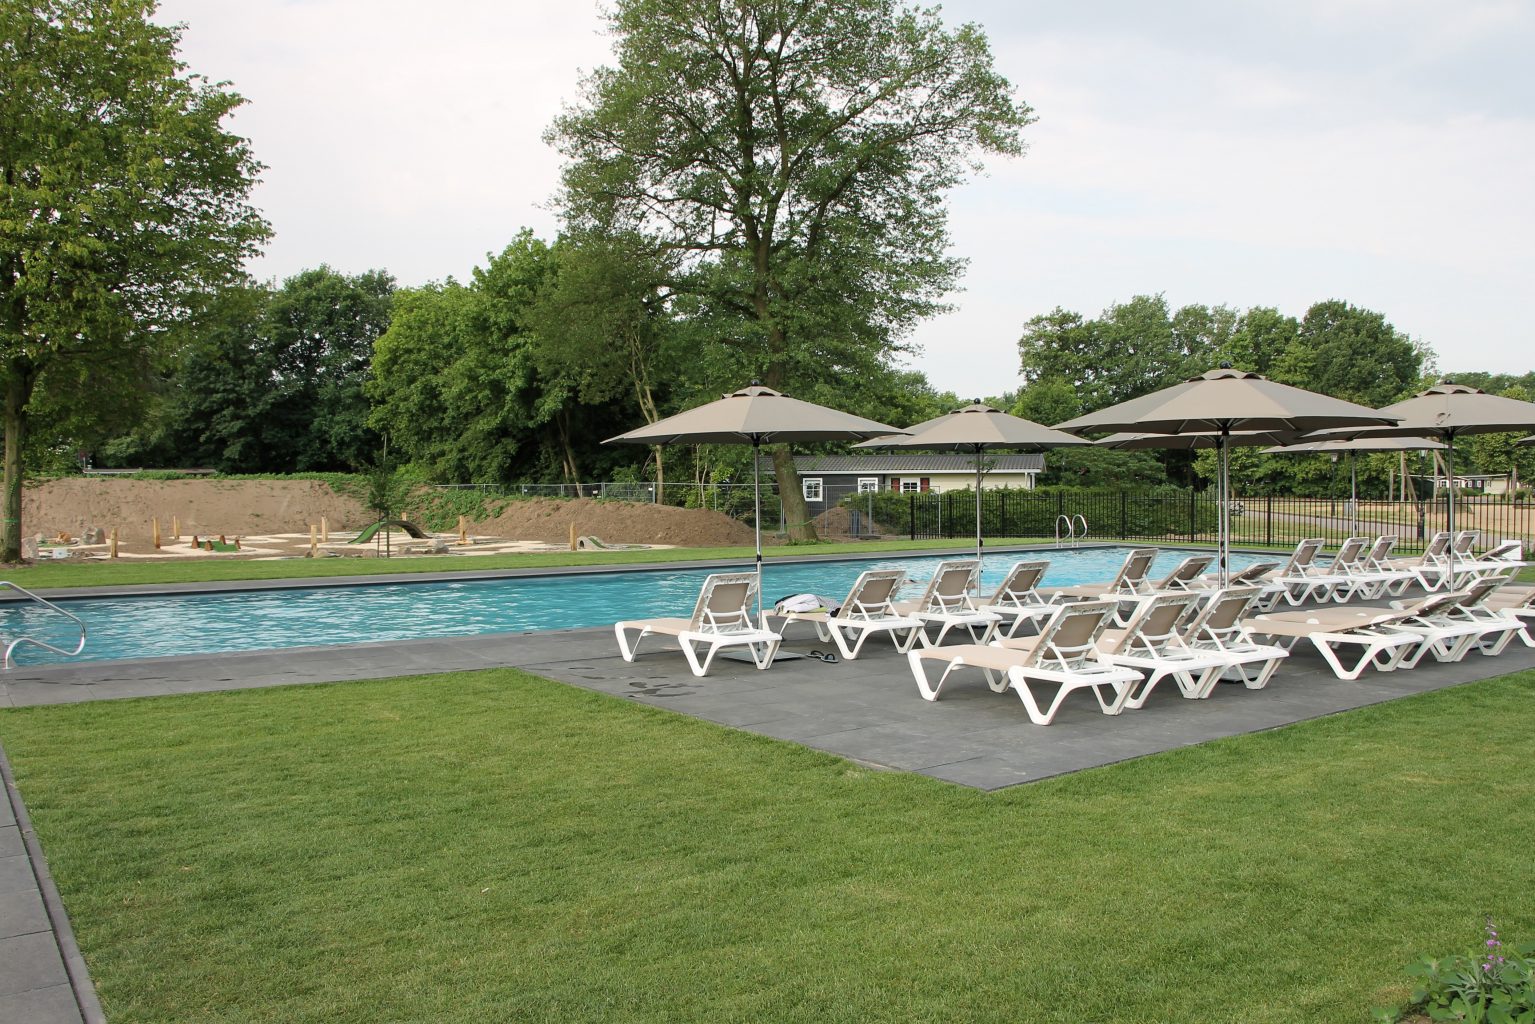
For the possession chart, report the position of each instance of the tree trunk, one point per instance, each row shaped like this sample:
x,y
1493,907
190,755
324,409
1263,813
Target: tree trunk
x,y
796,517
647,399
18,392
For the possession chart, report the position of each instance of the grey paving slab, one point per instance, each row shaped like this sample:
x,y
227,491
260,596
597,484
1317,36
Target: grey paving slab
x,y
16,874
30,962
53,1005
10,838
22,913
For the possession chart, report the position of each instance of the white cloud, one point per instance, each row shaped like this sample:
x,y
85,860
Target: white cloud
x,y
1273,154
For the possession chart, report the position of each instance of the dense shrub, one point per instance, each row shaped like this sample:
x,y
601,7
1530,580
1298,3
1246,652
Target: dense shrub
x,y
1010,512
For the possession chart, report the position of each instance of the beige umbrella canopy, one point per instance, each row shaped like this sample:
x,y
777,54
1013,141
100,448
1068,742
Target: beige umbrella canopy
x,y
1528,440
978,428
1446,411
756,416
1226,402
1188,442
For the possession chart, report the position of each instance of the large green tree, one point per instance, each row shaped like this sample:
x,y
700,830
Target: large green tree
x,y
1351,353
120,195
459,386
796,153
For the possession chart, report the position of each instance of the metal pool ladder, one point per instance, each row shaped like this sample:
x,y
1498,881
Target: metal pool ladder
x,y
1074,535
12,644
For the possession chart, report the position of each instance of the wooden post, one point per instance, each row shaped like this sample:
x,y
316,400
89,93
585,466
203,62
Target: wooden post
x,y
175,528
463,529
572,536
314,541
324,530
112,553
154,530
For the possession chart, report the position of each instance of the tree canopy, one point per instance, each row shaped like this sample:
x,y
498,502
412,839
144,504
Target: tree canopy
x,y
793,155
121,195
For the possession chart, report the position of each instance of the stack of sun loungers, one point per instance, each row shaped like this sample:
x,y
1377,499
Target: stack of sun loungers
x,y
1121,639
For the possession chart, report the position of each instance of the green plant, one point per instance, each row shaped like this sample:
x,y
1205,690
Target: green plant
x,y
1494,985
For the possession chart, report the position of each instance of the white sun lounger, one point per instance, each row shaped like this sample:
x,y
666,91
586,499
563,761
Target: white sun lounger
x,y
1130,581
1152,643
722,617
869,609
1331,630
1300,580
1018,601
1486,626
1064,654
947,602
1217,628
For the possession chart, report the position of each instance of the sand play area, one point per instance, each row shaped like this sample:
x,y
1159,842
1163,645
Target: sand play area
x,y
291,518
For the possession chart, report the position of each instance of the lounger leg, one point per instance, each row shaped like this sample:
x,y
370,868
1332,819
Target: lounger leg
x,y
624,647
1138,698
1327,647
1019,682
691,653
919,672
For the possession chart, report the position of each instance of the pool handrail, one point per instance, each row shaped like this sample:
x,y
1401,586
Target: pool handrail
x,y
10,646
1072,537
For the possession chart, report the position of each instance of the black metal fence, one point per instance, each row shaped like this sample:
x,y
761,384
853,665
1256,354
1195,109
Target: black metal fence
x,y
1162,515
1168,516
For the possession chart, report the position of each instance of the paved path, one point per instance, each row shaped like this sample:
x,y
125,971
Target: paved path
x,y
42,974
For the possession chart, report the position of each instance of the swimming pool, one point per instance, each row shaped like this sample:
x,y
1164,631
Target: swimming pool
x,y
210,623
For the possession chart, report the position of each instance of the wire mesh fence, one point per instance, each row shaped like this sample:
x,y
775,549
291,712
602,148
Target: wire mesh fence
x,y
1164,515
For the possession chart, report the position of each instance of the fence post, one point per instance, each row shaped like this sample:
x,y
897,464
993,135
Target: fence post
x,y
1193,521
911,514
1124,514
1268,517
1002,514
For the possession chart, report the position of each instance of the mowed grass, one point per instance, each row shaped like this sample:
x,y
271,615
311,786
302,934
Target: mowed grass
x,y
491,846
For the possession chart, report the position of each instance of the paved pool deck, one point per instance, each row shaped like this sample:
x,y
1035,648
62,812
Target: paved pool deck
x,y
867,710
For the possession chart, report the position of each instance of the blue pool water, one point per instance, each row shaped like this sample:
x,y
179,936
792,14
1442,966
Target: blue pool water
x,y
162,625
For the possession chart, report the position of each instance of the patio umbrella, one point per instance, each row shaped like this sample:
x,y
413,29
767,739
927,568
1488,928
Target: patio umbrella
x,y
977,429
1446,411
1362,444
756,416
1226,402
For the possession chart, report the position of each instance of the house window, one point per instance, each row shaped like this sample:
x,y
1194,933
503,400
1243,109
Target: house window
x,y
811,488
910,486
867,484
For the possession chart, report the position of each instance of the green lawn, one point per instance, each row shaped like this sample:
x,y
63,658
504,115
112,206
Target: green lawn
x,y
45,575
49,575
495,847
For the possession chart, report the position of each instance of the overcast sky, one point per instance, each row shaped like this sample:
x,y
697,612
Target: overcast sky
x,y
1378,151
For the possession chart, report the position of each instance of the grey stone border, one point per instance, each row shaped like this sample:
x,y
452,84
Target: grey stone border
x,y
58,919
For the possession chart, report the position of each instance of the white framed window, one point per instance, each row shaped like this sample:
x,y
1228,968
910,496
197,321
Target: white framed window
x,y
810,487
867,484
910,486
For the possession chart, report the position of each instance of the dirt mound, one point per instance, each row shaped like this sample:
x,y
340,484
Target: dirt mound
x,y
615,522
232,507
240,508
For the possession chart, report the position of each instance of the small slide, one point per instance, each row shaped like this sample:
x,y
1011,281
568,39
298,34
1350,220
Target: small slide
x,y
404,524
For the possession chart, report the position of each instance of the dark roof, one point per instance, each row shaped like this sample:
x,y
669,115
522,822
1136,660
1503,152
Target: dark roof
x,y
917,462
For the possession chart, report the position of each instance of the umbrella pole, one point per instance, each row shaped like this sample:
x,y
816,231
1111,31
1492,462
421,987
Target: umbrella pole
x,y
1449,473
757,515
1223,519
979,543
1353,496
